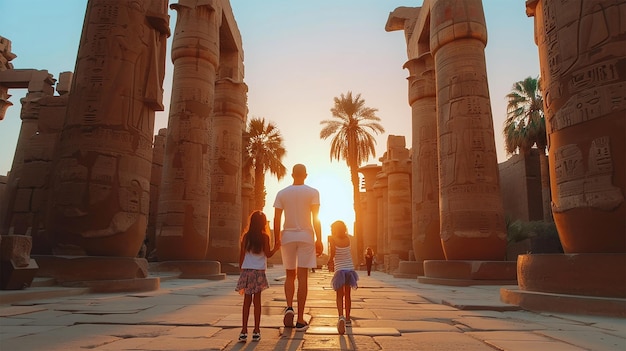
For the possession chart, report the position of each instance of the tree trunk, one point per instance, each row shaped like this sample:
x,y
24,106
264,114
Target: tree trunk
x,y
358,232
259,188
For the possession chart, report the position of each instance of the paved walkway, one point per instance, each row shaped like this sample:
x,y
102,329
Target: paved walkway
x,y
388,314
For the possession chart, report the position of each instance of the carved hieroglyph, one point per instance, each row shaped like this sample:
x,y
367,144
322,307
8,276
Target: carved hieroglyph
x,y
100,191
582,51
470,205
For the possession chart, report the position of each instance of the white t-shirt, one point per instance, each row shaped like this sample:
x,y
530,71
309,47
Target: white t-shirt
x,y
296,202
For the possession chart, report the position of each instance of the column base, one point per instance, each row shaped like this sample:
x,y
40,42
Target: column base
x,y
467,273
98,273
210,270
409,269
592,284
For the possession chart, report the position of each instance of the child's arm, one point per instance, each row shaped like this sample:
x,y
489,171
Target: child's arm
x,y
266,247
242,252
331,254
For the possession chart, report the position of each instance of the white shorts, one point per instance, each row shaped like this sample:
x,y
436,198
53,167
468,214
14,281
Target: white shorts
x,y
298,254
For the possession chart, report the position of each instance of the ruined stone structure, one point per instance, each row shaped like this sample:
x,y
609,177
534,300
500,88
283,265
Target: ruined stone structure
x,y
208,105
22,207
85,160
99,197
445,48
582,55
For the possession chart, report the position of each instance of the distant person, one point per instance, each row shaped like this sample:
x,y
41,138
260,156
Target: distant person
x,y
300,239
255,249
345,277
369,259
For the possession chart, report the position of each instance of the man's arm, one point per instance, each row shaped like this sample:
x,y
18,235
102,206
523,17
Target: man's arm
x,y
278,214
317,227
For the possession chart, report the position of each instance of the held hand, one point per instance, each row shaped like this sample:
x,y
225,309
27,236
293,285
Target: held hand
x,y
319,248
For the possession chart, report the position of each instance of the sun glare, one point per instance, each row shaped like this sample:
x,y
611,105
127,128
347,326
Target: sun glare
x,y
335,198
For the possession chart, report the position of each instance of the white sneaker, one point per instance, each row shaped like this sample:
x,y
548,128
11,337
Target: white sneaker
x,y
341,325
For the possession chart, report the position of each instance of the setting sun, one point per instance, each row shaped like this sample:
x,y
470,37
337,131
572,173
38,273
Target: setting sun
x,y
333,182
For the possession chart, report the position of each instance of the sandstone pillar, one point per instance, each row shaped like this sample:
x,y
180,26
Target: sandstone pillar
x,y
471,211
582,52
397,166
371,218
425,181
158,150
228,118
100,190
582,55
17,217
184,204
380,189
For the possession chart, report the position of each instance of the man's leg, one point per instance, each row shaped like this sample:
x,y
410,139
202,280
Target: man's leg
x,y
303,288
290,288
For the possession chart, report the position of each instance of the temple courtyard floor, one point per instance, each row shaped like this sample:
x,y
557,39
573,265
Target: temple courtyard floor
x,y
388,314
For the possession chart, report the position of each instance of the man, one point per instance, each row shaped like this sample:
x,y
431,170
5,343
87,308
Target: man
x,y
300,240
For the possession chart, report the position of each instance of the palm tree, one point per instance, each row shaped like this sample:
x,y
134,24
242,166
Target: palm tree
x,y
525,127
352,141
525,124
263,152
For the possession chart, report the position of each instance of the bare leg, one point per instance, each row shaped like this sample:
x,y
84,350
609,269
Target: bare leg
x,y
257,312
339,299
245,313
290,286
348,298
303,288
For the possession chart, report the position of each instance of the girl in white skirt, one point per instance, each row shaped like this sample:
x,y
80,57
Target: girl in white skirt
x,y
345,277
255,249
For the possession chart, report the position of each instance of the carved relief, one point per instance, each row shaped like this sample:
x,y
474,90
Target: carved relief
x,y
590,186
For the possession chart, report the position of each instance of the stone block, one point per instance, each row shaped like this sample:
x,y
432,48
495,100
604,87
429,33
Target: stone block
x,y
16,248
14,277
87,268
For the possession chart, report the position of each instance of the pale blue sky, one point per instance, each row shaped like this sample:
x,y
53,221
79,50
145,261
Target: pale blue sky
x,y
298,56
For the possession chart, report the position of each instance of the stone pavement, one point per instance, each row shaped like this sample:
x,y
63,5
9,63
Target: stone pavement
x,y
388,314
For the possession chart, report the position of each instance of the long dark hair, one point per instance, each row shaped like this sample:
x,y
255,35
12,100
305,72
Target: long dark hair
x,y
253,237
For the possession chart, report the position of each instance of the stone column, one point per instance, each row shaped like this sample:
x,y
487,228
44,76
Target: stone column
x,y
184,204
397,166
158,151
583,73
18,215
472,215
380,190
225,225
371,218
100,191
425,181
